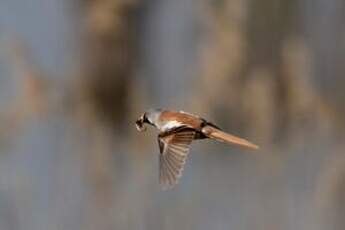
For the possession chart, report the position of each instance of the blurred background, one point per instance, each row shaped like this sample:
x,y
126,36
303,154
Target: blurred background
x,y
74,75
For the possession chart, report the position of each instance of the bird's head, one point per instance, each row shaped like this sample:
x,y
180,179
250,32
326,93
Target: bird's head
x,y
149,117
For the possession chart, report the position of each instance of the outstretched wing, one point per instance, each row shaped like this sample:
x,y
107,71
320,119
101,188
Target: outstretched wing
x,y
174,148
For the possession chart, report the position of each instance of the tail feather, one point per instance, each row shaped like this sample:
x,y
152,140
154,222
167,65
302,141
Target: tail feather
x,y
219,135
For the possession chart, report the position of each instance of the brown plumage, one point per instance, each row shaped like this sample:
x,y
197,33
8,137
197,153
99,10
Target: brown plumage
x,y
219,135
177,131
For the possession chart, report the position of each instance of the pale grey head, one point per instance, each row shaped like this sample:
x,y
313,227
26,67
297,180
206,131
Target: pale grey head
x,y
151,117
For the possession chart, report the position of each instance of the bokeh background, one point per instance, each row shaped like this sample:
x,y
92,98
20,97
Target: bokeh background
x,y
74,75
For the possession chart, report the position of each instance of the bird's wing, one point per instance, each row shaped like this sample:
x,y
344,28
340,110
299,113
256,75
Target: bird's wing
x,y
174,148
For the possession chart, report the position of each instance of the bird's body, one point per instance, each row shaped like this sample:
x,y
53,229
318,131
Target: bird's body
x,y
176,132
171,119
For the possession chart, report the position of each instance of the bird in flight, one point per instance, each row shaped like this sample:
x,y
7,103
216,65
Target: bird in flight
x,y
177,129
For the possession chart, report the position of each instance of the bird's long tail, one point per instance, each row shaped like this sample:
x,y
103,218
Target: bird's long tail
x,y
219,135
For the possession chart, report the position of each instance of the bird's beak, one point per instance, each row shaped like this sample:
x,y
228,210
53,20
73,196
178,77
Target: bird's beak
x,y
140,124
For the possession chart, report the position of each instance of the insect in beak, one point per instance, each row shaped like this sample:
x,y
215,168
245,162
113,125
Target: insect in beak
x,y
140,124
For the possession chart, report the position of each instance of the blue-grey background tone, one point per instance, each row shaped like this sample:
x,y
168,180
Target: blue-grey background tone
x,y
74,75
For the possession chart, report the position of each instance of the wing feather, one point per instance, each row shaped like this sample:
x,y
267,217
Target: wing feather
x,y
174,148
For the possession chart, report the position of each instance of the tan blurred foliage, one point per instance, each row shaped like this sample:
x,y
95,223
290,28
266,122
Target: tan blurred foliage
x,y
254,76
258,73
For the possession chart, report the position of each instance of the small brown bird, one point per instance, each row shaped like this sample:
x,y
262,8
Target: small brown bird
x,y
176,132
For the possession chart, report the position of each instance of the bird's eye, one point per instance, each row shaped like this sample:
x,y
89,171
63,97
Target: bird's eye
x,y
146,120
